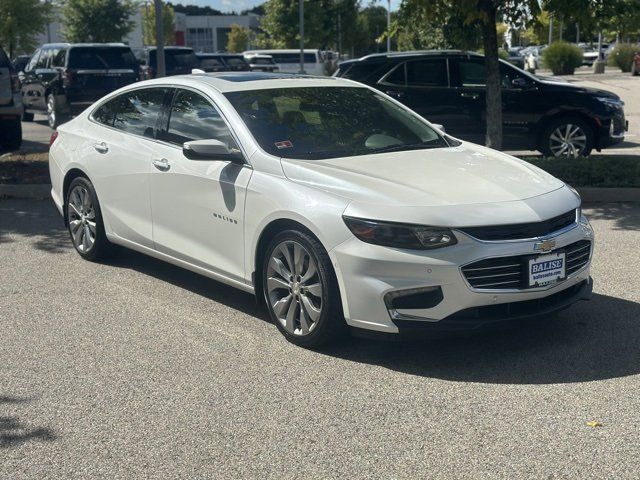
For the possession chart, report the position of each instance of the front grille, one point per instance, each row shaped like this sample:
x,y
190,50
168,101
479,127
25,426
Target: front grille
x,y
511,272
522,230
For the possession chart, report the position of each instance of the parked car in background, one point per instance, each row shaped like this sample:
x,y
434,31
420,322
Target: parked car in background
x,y
20,62
177,61
261,63
10,105
62,79
271,184
288,61
448,88
514,57
590,54
210,62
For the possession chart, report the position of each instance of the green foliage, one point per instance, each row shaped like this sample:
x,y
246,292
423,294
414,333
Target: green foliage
x,y
594,171
97,20
622,56
149,24
20,23
281,24
370,24
562,58
237,38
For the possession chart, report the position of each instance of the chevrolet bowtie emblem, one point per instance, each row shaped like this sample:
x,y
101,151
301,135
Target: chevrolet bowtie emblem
x,y
544,246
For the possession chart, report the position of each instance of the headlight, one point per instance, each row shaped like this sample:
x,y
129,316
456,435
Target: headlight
x,y
400,235
612,102
577,194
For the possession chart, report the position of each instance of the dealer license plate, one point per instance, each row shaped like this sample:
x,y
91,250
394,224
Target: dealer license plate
x,y
547,269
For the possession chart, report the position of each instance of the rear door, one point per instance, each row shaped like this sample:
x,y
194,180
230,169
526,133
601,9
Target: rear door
x,y
469,78
94,71
119,147
423,85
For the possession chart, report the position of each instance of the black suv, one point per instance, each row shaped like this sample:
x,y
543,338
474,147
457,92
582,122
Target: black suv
x,y
222,62
177,61
62,79
448,88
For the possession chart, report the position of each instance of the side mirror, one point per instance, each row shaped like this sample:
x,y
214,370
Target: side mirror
x,y
439,127
211,150
520,82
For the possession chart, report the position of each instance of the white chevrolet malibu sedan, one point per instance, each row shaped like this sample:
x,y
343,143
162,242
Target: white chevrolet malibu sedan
x,y
329,200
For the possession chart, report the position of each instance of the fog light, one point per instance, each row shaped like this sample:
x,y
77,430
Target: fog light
x,y
413,298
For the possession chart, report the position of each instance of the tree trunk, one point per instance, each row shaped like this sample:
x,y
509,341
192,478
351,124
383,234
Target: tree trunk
x,y
494,93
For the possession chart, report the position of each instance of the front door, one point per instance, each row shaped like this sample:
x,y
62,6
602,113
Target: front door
x,y
198,205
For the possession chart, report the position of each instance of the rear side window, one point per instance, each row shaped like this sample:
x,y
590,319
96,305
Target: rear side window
x,y
472,74
210,63
429,73
59,58
134,112
193,117
100,58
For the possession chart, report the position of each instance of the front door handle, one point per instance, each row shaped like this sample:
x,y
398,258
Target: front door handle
x,y
473,96
101,147
162,164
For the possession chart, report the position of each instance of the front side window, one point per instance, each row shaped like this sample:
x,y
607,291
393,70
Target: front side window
x,y
33,62
474,74
427,73
59,58
330,122
137,111
193,117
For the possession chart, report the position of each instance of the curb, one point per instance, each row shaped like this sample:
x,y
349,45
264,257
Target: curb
x,y
607,195
34,191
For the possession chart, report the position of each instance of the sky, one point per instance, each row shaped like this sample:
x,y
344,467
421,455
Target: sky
x,y
238,5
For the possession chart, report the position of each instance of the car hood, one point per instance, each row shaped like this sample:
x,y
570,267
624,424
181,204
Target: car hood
x,y
563,86
444,177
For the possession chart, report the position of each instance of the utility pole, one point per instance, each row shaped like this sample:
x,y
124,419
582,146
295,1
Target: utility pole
x,y
577,33
301,12
388,25
161,72
339,37
550,30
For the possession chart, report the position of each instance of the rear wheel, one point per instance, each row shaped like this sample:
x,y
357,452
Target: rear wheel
x,y
84,221
301,290
567,137
54,117
11,134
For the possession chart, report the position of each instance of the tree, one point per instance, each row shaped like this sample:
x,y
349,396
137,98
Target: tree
x,y
20,22
370,25
238,38
149,24
484,15
97,20
280,23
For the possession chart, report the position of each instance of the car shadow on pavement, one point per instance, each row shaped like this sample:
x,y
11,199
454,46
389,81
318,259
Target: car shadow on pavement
x,y
594,340
13,432
625,215
37,220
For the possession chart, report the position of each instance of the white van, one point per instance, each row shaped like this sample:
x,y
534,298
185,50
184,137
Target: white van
x,y
288,61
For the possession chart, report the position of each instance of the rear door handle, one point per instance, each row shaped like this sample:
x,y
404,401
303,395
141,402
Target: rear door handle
x,y
473,96
162,164
101,147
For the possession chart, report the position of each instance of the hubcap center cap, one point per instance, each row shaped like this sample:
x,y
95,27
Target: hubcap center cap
x,y
295,288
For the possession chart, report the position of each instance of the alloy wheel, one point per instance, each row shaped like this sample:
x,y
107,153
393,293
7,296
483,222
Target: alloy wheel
x,y
568,140
51,111
82,219
294,288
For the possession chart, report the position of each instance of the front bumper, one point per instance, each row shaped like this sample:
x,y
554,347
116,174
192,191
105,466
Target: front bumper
x,y
367,273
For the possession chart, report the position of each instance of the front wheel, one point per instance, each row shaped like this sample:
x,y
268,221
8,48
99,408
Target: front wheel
x,y
567,137
54,117
301,291
84,220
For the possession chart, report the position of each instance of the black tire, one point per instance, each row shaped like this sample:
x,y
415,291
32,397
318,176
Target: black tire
x,y
11,134
27,117
331,325
54,116
101,247
544,144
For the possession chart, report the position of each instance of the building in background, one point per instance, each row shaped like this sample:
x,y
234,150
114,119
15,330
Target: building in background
x,y
203,33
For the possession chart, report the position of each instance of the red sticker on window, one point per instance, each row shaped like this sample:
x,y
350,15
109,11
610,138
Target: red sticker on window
x,y
283,144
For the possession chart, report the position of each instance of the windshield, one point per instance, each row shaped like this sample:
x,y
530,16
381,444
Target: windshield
x,y
330,122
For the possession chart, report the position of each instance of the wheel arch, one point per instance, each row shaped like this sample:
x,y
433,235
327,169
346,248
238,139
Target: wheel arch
x,y
71,175
544,121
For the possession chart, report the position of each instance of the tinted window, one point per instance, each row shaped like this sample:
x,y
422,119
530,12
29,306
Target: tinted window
x,y
293,57
431,73
99,58
193,117
319,122
362,70
43,60
262,61
472,74
236,61
175,58
137,112
33,62
210,63
397,76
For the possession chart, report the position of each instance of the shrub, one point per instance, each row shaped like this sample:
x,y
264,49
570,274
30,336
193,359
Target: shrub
x,y
622,56
562,58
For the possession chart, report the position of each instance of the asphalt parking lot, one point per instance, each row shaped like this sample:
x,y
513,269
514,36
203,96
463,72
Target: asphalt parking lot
x,y
138,369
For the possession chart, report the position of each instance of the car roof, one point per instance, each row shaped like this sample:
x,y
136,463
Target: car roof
x,y
415,53
242,81
94,45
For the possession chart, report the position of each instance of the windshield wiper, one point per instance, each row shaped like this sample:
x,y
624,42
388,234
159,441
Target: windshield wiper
x,y
409,146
